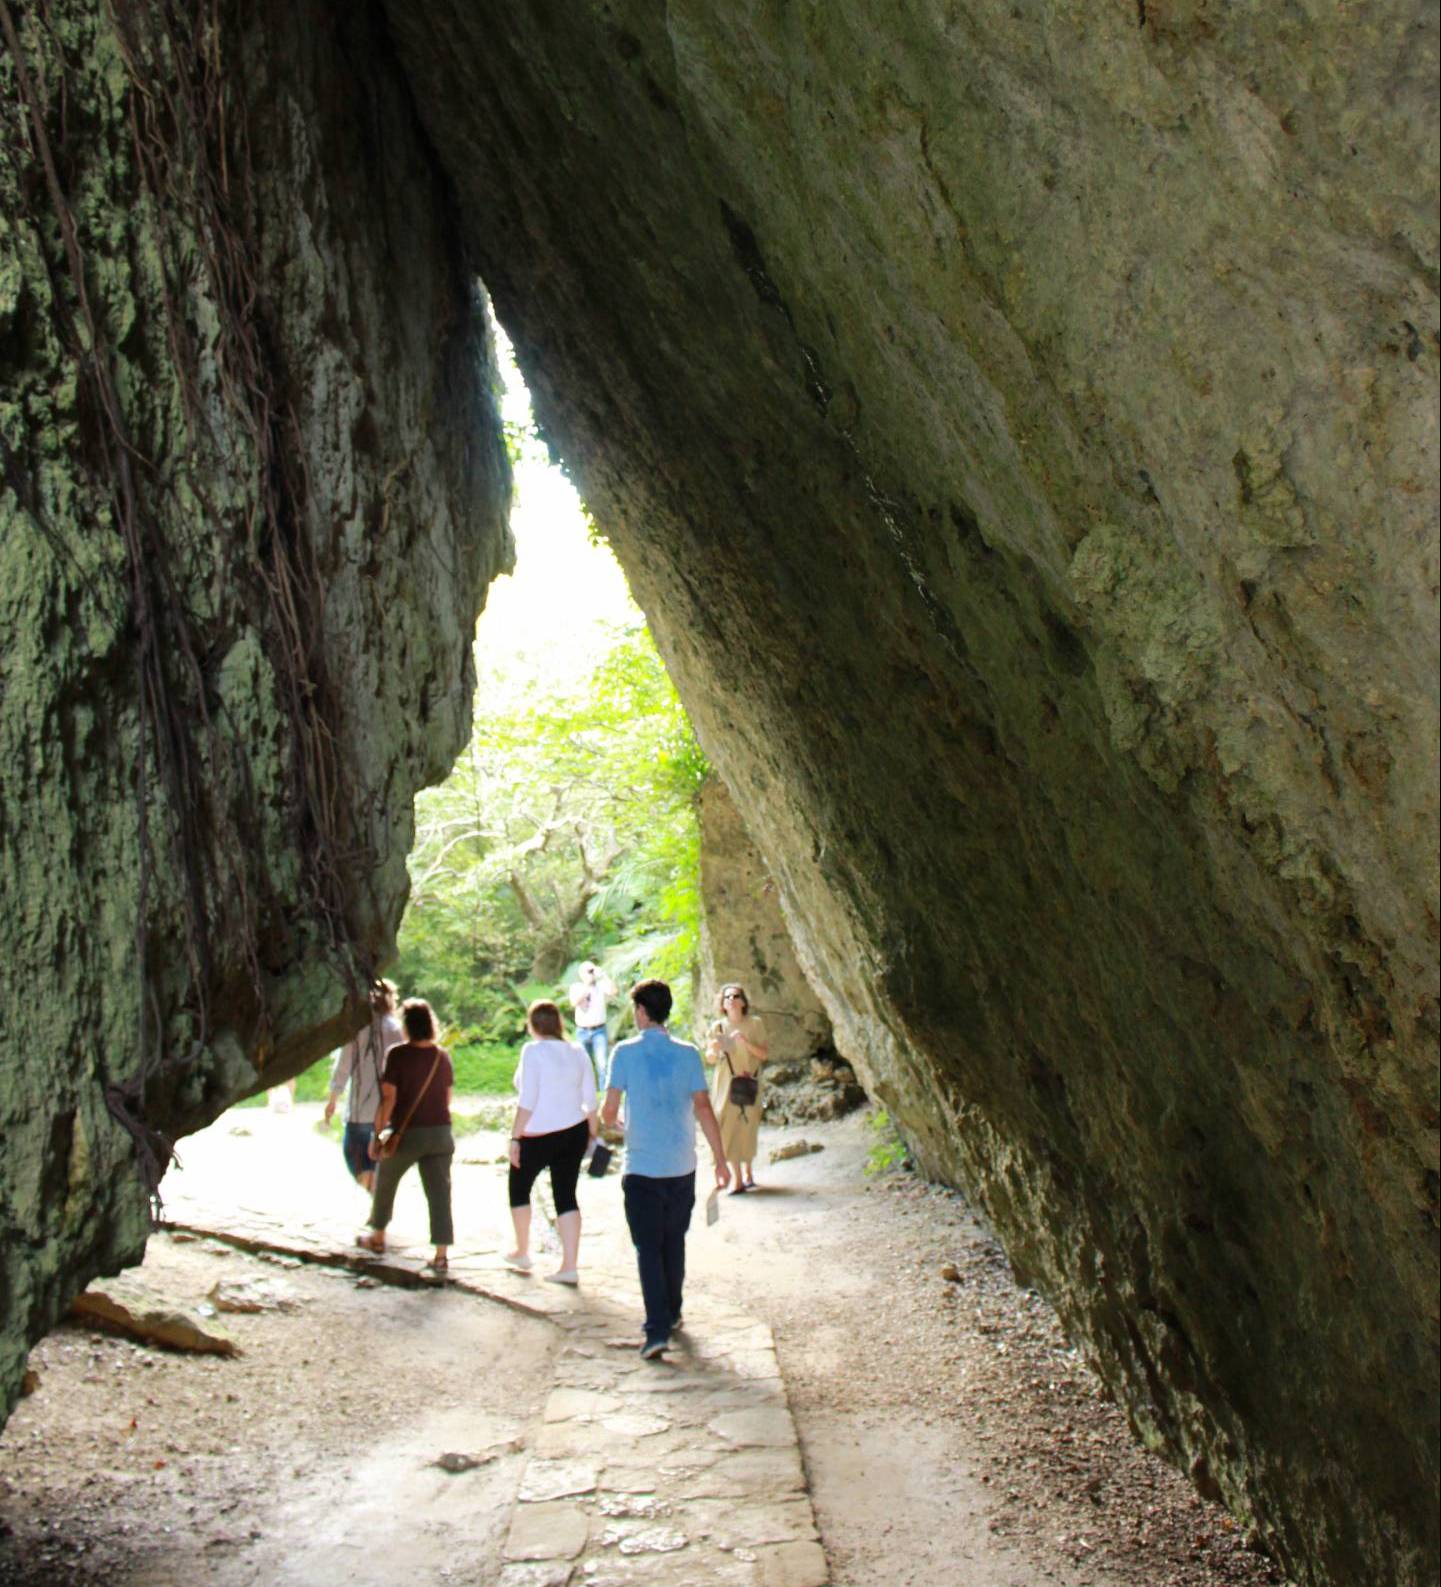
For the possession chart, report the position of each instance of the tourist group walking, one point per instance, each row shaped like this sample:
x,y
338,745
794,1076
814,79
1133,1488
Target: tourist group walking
x,y
398,1083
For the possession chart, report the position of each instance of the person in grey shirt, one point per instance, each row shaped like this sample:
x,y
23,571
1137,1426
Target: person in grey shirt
x,y
360,1063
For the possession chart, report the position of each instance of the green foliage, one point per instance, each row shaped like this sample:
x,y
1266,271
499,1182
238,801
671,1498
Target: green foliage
x,y
566,831
487,1116
888,1151
481,1069
484,1068
314,1084
471,1121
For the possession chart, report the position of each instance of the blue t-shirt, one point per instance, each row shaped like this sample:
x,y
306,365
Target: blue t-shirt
x,y
660,1077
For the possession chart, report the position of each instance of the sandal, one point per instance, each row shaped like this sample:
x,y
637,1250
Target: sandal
x,y
439,1266
374,1243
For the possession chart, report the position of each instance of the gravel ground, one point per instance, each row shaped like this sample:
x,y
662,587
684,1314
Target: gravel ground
x,y
951,1437
952,1434
289,1463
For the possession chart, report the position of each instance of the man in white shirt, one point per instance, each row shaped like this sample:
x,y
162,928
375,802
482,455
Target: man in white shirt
x,y
588,998
361,1062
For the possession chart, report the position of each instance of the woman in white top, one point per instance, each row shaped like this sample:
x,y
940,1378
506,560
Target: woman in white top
x,y
555,1120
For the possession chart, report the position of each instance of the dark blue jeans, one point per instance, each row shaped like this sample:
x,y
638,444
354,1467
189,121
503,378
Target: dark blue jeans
x,y
355,1145
658,1213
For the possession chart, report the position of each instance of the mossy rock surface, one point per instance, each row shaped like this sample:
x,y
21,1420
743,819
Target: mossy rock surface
x,y
1008,418
1018,423
254,489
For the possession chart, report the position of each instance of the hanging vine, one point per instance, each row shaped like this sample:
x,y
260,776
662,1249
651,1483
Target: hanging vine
x,y
189,138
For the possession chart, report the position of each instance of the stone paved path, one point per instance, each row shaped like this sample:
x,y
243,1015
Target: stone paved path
x,y
683,1472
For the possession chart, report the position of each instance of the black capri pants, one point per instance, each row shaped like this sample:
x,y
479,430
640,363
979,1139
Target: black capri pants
x,y
561,1152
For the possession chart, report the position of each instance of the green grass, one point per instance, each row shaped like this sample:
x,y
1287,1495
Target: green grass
x,y
888,1151
484,1069
471,1116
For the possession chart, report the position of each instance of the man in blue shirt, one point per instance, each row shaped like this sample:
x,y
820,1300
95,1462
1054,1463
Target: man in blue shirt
x,y
665,1097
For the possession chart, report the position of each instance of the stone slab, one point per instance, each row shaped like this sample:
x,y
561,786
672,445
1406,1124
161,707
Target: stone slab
x,y
557,1479
766,1426
565,1404
737,1519
792,1565
765,1471
539,1573
550,1531
127,1307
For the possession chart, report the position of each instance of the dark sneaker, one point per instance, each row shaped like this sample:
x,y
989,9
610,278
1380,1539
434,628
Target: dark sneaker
x,y
653,1348
677,1324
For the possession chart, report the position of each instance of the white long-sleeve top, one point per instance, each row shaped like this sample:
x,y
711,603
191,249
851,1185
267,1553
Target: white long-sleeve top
x,y
555,1081
361,1062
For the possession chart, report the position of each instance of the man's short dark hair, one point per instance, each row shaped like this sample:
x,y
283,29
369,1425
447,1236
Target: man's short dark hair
x,y
654,997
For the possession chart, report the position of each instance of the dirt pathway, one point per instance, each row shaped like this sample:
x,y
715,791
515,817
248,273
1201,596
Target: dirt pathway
x,y
949,1438
305,1459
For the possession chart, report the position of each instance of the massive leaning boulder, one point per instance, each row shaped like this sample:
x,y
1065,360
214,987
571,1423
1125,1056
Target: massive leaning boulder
x,y
1018,422
252,493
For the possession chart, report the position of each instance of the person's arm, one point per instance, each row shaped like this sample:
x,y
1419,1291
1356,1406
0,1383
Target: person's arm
x,y
522,1118
339,1074
754,1041
527,1085
715,1042
382,1116
588,1099
610,1113
705,1117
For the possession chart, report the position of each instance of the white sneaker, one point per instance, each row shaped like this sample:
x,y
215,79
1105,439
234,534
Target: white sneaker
x,y
521,1264
567,1275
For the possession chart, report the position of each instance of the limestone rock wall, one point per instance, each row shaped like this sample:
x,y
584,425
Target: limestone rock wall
x,y
1018,422
745,937
253,490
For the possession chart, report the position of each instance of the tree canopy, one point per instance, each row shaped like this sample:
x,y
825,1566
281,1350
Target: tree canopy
x,y
566,831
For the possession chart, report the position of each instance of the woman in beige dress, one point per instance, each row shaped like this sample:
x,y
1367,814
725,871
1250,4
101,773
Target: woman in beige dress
x,y
736,1047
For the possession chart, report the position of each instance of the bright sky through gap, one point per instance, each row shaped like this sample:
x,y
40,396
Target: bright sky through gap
x,y
551,621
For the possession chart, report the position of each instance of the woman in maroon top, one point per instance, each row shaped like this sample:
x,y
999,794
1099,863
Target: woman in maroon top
x,y
415,1099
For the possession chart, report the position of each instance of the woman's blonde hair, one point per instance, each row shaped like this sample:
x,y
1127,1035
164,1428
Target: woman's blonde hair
x,y
544,1019
725,992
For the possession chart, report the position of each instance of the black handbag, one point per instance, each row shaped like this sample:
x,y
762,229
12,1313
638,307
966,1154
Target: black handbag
x,y
744,1090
